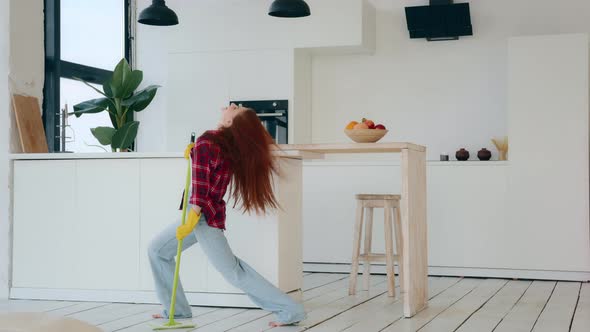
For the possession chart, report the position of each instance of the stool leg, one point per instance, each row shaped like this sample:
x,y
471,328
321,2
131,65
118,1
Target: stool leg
x,y
389,250
356,248
368,240
399,247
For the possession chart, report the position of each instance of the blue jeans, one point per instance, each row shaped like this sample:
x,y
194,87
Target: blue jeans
x,y
265,295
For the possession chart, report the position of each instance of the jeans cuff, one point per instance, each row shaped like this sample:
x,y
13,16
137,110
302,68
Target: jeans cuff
x,y
176,316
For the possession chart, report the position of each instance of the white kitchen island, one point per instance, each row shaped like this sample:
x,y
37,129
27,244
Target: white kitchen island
x,y
83,223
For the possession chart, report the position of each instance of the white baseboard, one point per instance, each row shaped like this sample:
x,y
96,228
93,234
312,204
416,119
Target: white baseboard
x,y
148,297
343,268
461,272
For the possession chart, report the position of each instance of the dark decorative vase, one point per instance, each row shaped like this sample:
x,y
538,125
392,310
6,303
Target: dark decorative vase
x,y
484,154
462,154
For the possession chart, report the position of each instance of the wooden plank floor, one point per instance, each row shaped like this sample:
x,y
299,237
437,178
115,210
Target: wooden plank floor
x,y
456,304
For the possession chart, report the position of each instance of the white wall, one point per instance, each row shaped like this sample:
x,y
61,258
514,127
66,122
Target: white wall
x,y
21,71
527,217
27,55
238,52
4,169
218,25
445,95
27,47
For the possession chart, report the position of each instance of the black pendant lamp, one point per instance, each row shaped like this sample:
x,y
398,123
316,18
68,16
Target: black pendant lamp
x,y
289,8
158,14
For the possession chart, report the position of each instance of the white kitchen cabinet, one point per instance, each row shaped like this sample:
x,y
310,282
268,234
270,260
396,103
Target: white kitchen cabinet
x,y
245,236
329,206
466,207
467,215
548,130
271,244
76,224
253,239
43,248
87,235
472,229
105,224
161,186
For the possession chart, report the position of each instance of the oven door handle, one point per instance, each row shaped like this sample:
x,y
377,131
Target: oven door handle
x,y
266,115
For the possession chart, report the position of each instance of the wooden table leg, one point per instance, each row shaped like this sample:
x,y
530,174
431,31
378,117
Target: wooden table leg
x,y
414,231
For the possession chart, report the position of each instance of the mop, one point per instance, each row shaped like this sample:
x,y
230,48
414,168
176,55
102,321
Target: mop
x,y
171,323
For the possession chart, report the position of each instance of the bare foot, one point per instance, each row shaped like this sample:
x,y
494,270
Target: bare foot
x,y
157,316
276,324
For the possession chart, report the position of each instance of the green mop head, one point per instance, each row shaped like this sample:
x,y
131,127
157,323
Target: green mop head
x,y
172,325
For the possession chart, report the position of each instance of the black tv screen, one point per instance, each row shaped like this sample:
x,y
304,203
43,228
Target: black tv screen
x,y
439,21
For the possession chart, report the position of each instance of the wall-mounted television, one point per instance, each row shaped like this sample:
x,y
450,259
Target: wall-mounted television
x,y
442,20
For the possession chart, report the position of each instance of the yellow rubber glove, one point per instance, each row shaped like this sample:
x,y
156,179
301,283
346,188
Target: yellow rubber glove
x,y
187,151
192,221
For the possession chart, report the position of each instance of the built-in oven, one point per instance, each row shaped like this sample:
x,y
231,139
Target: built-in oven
x,y
274,115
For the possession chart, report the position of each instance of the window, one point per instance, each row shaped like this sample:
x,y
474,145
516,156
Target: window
x,y
83,39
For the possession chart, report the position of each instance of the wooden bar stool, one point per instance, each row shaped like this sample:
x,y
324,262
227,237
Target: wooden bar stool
x,y
388,203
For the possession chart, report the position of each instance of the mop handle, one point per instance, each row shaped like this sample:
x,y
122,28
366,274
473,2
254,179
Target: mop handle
x,y
179,248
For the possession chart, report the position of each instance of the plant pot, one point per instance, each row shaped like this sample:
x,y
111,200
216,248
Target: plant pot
x,y
462,154
484,154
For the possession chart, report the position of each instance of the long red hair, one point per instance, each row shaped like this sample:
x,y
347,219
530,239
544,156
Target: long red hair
x,y
247,145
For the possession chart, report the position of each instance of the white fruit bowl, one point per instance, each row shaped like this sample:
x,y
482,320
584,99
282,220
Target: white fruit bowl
x,y
365,135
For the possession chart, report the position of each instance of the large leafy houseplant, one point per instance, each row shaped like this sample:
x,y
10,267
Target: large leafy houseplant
x,y
119,100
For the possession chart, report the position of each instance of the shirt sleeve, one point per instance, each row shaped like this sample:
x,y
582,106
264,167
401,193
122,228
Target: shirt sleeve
x,y
201,172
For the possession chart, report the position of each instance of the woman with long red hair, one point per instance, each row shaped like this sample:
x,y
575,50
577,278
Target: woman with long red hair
x,y
238,152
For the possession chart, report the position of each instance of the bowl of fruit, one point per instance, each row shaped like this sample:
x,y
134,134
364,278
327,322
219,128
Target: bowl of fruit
x,y
365,131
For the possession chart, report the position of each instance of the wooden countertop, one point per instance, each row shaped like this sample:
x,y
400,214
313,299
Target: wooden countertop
x,y
295,151
290,153
353,147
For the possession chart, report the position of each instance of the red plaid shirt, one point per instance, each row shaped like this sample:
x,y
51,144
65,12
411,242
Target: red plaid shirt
x,y
211,175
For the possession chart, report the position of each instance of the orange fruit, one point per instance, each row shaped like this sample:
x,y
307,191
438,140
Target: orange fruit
x,y
351,124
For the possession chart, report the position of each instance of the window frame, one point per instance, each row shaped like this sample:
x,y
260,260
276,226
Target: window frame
x,y
56,69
